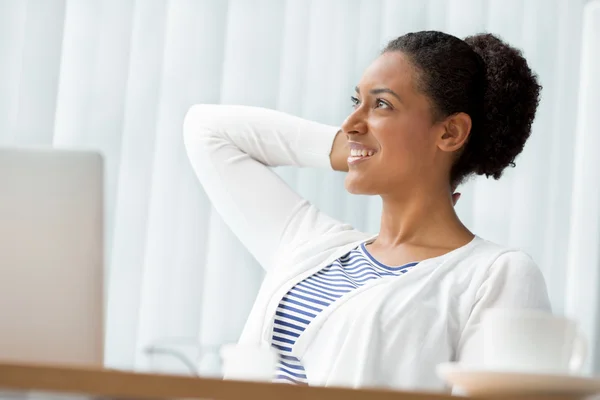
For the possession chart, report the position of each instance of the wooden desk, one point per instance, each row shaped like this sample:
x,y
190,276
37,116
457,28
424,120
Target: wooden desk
x,y
61,382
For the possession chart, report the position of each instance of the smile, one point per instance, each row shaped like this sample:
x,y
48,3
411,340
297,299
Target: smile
x,y
359,153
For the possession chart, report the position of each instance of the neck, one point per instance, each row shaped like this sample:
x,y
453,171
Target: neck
x,y
426,218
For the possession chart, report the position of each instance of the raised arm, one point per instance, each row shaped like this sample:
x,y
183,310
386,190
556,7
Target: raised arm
x,y
231,149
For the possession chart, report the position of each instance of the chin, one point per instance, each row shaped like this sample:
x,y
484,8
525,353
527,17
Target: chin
x,y
356,184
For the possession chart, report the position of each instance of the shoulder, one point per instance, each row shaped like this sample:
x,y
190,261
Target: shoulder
x,y
505,260
516,262
511,277
493,256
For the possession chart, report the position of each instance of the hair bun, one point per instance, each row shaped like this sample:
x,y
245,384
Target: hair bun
x,y
511,97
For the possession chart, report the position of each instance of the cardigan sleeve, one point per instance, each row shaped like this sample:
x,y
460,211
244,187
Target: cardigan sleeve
x,y
512,281
231,149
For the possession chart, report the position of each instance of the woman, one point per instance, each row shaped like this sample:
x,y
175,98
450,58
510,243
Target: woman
x,y
340,306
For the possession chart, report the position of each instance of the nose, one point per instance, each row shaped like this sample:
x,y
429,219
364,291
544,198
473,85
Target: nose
x,y
355,123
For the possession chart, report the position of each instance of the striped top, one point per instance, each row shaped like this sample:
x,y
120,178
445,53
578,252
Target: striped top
x,y
312,295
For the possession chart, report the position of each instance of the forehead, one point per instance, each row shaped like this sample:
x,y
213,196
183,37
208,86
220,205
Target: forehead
x,y
392,70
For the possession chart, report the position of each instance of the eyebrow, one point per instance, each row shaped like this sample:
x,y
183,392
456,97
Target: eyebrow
x,y
381,90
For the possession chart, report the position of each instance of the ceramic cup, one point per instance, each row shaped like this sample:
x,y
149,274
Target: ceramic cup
x,y
532,341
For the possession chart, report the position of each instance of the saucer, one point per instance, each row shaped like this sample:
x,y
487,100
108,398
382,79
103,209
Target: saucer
x,y
477,381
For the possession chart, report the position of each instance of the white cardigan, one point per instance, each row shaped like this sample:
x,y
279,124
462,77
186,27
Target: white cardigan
x,y
391,332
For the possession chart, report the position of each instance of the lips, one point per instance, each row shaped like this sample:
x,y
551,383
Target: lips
x,y
359,152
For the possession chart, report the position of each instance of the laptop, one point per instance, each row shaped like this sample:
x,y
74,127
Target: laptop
x,y
51,257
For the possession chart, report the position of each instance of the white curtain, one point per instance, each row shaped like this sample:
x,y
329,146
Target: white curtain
x,y
118,75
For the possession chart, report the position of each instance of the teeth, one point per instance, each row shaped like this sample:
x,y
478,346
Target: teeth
x,y
361,152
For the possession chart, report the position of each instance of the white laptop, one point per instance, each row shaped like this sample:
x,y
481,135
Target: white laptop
x,y
51,257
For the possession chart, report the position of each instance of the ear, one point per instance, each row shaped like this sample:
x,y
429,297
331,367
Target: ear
x,y
457,128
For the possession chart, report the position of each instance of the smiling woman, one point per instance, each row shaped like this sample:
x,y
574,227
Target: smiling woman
x,y
343,307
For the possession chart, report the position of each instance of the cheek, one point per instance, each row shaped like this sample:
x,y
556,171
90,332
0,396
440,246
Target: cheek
x,y
404,145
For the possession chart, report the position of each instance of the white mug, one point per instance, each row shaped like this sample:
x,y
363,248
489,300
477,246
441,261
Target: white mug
x,y
531,341
249,363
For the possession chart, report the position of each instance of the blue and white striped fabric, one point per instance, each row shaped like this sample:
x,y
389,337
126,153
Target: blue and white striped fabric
x,y
311,296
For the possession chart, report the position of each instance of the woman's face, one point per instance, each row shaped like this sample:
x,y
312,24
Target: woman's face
x,y
391,133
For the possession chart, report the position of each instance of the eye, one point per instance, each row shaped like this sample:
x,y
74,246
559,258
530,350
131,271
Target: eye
x,y
380,103
355,101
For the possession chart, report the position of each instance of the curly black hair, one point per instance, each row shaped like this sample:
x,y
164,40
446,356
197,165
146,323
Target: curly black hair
x,y
485,78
